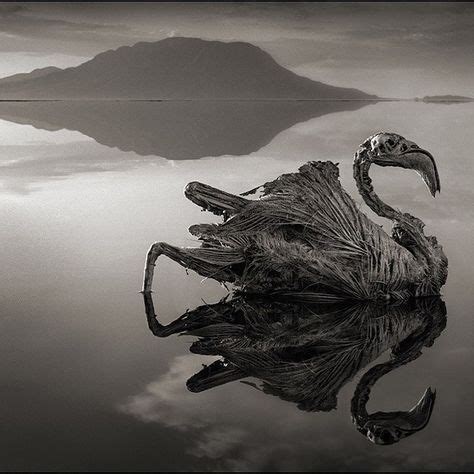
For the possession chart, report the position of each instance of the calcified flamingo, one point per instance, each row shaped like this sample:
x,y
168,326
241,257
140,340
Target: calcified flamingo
x,y
306,234
305,352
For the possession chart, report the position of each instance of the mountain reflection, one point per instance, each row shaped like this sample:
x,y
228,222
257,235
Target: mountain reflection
x,y
305,352
176,130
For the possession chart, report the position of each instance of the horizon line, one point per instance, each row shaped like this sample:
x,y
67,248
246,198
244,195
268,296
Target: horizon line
x,y
375,99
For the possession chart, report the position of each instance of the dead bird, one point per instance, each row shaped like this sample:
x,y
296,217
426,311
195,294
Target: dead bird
x,y
306,234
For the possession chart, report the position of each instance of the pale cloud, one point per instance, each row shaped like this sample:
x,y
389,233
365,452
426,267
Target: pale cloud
x,y
164,401
226,440
235,428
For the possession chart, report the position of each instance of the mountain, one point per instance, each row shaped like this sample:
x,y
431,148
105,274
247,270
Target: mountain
x,y
177,68
21,77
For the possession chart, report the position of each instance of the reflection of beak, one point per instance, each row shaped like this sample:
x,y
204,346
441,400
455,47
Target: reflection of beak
x,y
420,414
388,428
416,159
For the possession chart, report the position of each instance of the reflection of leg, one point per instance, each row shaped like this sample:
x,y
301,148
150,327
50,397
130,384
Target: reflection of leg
x,y
196,319
214,200
212,262
155,327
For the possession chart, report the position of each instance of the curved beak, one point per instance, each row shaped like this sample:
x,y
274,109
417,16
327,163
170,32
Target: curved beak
x,y
419,416
388,428
415,159
424,164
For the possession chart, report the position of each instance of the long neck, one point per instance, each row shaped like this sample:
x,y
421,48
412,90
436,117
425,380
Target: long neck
x,y
366,190
425,249
433,310
362,392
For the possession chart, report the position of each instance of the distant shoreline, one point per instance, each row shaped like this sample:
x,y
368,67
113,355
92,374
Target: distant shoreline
x,y
208,100
237,100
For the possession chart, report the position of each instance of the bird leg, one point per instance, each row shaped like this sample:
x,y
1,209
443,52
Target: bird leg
x,y
213,262
214,200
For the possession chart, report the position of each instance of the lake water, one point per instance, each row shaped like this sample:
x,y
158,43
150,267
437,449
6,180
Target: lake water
x,y
86,188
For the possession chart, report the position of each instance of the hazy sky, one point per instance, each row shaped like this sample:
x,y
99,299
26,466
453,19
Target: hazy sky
x,y
391,49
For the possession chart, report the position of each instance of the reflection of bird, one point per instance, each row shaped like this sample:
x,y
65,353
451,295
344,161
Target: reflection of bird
x,y
305,353
306,234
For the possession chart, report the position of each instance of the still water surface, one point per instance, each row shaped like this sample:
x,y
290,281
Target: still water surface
x,y
86,386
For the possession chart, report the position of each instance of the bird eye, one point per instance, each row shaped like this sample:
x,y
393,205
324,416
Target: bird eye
x,y
390,142
403,147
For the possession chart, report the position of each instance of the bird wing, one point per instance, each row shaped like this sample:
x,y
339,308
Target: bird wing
x,y
305,223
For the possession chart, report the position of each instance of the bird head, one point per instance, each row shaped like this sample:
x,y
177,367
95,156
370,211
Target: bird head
x,y
389,428
391,149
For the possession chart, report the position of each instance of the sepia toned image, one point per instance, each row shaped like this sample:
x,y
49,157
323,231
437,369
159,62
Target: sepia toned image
x,y
236,236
